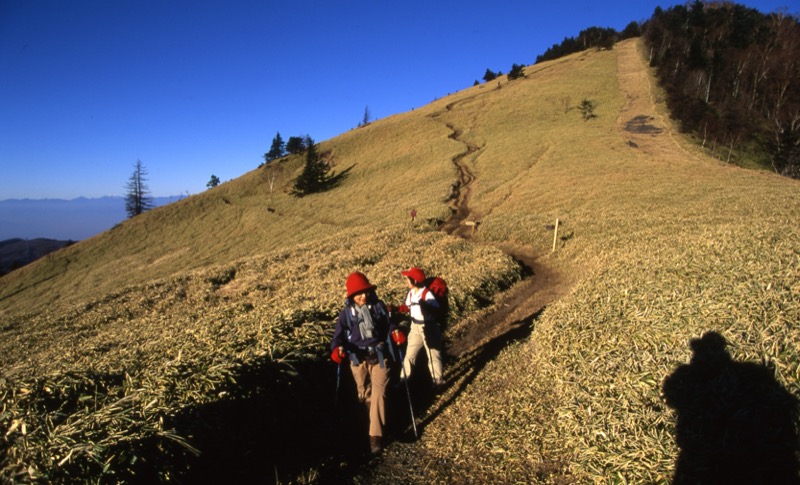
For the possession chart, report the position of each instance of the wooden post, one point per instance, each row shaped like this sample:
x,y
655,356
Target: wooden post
x,y
555,235
471,224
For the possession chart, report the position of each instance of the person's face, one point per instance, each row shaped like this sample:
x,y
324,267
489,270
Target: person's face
x,y
360,299
410,283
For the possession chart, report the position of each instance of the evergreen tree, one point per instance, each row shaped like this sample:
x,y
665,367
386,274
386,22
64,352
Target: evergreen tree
x,y
517,71
137,199
277,150
315,177
631,30
489,75
213,182
295,145
366,119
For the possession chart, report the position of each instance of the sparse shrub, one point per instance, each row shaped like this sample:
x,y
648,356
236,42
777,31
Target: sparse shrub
x,y
587,107
222,278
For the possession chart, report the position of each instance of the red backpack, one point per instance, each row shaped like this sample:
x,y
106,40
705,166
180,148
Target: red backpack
x,y
438,287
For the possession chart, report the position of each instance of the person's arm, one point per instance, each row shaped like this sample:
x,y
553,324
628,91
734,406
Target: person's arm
x,y
339,335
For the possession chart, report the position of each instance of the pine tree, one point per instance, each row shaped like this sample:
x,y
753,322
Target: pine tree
x,y
277,150
137,199
366,118
315,177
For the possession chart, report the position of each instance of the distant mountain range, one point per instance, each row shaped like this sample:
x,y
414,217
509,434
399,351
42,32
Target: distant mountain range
x,y
64,220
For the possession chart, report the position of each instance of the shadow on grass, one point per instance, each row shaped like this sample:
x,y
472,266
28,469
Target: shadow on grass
x,y
735,422
278,425
473,363
337,179
286,425
281,424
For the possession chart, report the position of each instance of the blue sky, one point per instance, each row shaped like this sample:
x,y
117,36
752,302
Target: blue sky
x,y
195,88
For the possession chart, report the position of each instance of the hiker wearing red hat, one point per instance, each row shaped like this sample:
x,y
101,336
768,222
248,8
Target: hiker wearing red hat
x,y
421,305
360,337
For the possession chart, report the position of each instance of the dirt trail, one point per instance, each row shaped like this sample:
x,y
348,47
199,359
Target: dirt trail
x,y
524,301
639,122
518,306
462,189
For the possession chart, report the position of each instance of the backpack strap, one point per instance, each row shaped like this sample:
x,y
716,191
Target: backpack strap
x,y
424,293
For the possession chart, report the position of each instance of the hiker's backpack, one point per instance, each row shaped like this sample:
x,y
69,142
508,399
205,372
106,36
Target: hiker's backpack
x,y
438,287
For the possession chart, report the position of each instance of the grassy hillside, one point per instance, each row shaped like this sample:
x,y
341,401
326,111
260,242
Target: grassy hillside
x,y
667,245
125,354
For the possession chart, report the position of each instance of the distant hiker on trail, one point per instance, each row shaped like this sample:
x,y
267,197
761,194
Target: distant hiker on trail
x,y
413,214
422,306
361,336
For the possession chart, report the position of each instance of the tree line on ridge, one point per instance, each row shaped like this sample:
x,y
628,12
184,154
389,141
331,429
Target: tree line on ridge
x,y
732,78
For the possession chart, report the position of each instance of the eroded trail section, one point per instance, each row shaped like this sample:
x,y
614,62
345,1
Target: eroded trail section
x,y
518,306
461,189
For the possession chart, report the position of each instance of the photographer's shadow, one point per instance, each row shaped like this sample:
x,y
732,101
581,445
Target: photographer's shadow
x,y
735,422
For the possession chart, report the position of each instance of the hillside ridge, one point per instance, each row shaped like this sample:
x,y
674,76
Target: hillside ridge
x,y
511,322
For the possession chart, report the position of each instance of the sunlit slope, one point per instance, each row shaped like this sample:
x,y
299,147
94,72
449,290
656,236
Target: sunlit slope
x,y
528,134
392,166
667,244
539,160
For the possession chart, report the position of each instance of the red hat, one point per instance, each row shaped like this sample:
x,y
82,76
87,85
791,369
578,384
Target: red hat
x,y
415,274
357,283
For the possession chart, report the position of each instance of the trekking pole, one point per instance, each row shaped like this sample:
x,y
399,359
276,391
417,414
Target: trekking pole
x,y
338,378
408,392
405,380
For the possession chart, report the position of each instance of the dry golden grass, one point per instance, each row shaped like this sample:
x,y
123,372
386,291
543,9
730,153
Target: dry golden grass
x,y
102,341
668,245
85,380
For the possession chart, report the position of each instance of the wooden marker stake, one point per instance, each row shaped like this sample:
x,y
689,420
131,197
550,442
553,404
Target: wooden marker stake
x,y
555,235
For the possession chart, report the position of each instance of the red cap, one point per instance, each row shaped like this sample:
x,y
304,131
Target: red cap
x,y
356,283
415,274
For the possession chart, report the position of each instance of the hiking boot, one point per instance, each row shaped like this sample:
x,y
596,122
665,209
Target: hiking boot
x,y
375,445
